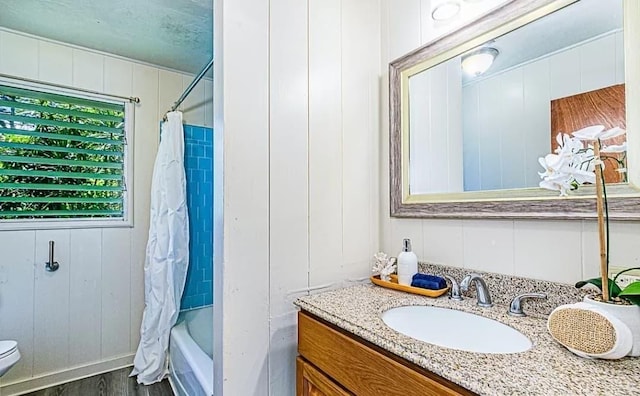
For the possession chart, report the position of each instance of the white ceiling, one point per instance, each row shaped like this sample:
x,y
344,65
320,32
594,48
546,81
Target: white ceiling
x,y
176,34
571,25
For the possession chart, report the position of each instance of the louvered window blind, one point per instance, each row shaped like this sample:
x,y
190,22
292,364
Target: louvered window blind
x,y
60,156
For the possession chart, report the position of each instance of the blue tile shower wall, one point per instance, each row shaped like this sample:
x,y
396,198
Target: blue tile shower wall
x,y
198,153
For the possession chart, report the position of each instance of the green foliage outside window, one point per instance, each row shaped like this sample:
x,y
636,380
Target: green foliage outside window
x,y
60,157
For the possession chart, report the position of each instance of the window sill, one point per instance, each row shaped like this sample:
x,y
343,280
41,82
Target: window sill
x,y
58,224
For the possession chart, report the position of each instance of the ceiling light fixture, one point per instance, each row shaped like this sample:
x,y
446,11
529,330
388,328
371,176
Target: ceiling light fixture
x,y
479,61
445,11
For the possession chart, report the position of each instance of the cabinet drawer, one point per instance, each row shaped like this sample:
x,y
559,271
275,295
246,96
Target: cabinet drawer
x,y
362,368
312,382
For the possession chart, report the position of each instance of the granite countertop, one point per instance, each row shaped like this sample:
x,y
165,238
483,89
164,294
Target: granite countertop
x,y
546,369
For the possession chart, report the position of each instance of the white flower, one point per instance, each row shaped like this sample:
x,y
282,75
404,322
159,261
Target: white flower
x,y
596,132
581,176
589,133
567,145
614,148
557,182
572,164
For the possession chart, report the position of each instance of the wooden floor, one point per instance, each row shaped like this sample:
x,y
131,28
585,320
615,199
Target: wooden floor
x,y
115,383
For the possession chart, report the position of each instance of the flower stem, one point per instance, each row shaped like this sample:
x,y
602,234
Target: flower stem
x,y
600,206
606,217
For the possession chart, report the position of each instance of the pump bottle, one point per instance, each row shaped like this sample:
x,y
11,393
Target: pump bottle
x,y
407,264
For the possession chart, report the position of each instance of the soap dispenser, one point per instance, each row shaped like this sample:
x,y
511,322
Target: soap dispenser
x,y
407,264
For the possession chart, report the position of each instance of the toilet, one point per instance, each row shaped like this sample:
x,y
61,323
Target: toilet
x,y
9,355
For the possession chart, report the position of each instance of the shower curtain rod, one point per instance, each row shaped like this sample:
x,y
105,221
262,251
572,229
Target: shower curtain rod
x,y
191,86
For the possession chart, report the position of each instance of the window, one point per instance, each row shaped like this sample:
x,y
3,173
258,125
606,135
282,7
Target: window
x,y
62,157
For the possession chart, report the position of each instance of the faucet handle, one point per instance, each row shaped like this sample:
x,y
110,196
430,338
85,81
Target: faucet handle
x,y
454,293
515,308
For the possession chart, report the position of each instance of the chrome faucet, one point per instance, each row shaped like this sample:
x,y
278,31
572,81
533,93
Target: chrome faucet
x,y
454,293
515,309
482,291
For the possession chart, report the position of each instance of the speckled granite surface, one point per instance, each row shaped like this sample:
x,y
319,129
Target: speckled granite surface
x,y
546,369
504,287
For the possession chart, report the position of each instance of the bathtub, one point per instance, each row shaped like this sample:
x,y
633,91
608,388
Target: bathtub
x,y
191,353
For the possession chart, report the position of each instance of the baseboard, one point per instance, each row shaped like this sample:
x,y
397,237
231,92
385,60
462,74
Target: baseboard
x,y
23,386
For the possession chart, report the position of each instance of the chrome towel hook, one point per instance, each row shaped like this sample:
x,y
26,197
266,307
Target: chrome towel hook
x,y
51,265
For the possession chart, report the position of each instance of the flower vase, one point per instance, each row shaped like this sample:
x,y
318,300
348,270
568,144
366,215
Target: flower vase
x,y
628,314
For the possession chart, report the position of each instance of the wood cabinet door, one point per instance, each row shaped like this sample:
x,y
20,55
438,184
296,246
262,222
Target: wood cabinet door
x,y
365,370
312,382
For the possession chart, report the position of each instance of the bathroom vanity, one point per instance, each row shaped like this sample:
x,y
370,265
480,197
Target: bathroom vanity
x,y
354,366
345,348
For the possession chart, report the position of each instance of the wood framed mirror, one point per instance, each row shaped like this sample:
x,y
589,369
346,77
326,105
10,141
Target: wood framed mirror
x,y
467,145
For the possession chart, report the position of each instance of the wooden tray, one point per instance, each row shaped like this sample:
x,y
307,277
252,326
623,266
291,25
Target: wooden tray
x,y
393,284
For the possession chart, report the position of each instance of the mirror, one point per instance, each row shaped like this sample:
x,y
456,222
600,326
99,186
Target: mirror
x,y
472,113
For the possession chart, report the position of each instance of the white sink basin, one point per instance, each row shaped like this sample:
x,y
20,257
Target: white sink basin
x,y
456,329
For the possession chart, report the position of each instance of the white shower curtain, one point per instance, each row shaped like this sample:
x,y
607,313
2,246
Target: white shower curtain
x,y
167,258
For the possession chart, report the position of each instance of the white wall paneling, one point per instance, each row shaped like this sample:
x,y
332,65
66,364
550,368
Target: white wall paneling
x,y
386,40
85,296
435,142
55,63
511,135
86,316
320,80
402,37
420,147
325,141
470,142
208,100
197,108
440,150
145,84
289,181
194,104
88,70
17,285
598,63
442,241
406,229
505,246
51,305
169,89
116,246
623,235
245,81
117,77
24,59
619,42
483,240
536,116
360,20
453,118
563,241
116,294
508,115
